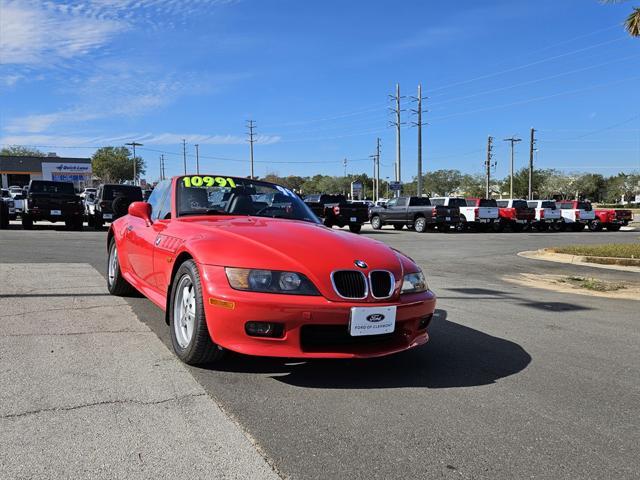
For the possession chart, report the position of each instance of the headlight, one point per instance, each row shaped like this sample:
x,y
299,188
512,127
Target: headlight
x,y
414,283
270,281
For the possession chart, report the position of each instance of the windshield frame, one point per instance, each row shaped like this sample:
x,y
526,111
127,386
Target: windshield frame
x,y
301,206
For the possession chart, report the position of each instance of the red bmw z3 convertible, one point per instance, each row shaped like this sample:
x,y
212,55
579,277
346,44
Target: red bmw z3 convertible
x,y
244,265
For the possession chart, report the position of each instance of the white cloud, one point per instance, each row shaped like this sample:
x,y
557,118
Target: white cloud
x,y
82,141
176,138
31,34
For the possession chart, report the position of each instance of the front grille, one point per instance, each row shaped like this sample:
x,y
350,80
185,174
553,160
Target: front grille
x,y
331,337
382,283
350,283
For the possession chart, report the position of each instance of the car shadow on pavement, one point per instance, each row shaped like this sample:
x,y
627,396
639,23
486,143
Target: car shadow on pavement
x,y
455,356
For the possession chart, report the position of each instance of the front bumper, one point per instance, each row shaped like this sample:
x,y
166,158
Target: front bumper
x,y
314,327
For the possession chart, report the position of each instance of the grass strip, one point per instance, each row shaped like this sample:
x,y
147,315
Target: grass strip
x,y
612,250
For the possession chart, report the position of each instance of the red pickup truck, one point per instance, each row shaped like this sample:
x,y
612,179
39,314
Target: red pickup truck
x,y
515,214
610,219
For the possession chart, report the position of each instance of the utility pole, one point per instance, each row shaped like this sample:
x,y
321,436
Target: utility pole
x,y
513,141
251,125
197,159
162,177
344,163
160,170
419,124
378,169
532,144
184,155
488,166
135,173
397,123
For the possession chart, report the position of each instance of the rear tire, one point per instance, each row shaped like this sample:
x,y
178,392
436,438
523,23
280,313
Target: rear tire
x,y
116,284
189,333
376,222
596,226
355,228
613,228
327,223
420,225
27,222
578,227
4,215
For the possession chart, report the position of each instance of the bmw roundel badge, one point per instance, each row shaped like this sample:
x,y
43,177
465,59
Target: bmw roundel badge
x,y
360,264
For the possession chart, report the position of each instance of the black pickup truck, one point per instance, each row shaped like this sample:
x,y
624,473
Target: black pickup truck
x,y
52,201
336,210
416,213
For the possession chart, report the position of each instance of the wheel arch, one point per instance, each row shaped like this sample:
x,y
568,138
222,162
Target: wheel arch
x,y
182,257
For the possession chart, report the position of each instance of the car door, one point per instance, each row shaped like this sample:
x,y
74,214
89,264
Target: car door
x,y
400,210
387,213
141,238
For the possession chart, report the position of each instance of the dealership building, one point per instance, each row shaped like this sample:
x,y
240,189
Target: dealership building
x,y
20,170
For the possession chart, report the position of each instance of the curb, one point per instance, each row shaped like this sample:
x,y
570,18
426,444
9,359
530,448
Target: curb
x,y
573,260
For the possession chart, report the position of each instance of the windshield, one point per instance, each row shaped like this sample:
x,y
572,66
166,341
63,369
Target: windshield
x,y
520,204
52,187
214,195
130,192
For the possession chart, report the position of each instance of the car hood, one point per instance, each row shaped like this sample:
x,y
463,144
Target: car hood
x,y
276,244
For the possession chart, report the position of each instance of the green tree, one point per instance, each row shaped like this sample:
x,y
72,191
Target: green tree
x,y
473,185
19,151
442,182
115,164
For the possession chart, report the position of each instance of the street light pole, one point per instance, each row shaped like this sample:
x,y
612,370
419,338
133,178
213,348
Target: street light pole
x,y
513,141
135,173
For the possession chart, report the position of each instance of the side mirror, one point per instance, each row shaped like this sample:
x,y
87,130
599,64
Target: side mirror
x,y
141,210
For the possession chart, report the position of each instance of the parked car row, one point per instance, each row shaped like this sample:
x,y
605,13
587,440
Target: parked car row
x,y
462,214
54,201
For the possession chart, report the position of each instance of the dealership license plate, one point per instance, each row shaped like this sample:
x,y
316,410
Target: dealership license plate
x,y
56,212
448,219
353,219
372,321
107,216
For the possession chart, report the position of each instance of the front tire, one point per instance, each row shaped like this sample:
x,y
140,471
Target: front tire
x,y
189,333
613,228
355,228
116,284
376,222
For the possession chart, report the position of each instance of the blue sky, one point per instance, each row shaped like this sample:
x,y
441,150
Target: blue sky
x,y
315,76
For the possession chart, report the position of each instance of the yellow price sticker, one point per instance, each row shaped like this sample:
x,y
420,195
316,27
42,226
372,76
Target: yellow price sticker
x,y
207,181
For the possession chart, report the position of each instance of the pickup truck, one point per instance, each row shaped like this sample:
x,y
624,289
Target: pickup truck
x,y
547,214
414,212
475,213
576,215
110,202
610,219
52,201
514,214
9,203
336,210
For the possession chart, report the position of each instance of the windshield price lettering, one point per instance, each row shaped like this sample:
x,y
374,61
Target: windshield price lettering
x,y
198,181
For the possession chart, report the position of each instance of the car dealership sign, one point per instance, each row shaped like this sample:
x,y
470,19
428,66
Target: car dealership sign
x,y
66,172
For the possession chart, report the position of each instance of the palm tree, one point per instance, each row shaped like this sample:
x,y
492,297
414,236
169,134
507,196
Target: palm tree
x,y
632,23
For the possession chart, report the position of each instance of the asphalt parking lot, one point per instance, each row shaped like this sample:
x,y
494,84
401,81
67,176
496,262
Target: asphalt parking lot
x,y
516,382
